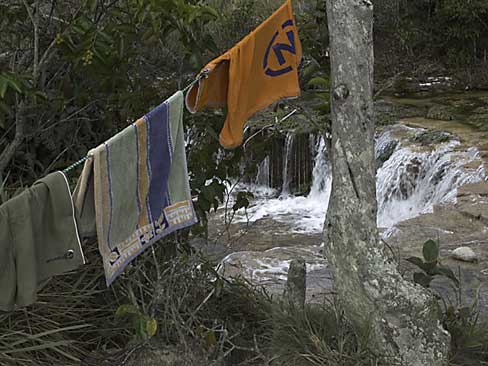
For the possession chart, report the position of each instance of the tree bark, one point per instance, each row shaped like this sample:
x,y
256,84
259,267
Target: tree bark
x,y
401,317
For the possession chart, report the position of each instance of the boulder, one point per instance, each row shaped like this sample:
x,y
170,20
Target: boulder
x,y
465,254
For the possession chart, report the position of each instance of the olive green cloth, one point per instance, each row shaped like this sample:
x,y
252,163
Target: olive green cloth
x,y
38,239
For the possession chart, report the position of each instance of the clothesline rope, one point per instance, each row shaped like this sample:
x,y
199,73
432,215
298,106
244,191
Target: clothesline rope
x,y
74,165
203,74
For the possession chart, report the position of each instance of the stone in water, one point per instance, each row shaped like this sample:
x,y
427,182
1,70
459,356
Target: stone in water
x,y
465,254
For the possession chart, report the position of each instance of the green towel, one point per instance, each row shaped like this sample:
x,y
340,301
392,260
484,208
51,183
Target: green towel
x,y
134,190
38,239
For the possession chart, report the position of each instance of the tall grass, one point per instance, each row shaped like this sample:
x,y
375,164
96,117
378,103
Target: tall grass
x,y
206,319
71,322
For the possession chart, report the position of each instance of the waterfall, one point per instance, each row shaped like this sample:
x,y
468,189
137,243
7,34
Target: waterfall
x,y
321,170
290,137
411,182
263,176
411,179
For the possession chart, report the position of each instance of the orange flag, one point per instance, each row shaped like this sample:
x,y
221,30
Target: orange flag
x,y
256,72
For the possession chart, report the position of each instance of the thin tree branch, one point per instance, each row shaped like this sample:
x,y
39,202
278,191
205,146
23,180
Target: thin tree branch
x,y
9,152
35,24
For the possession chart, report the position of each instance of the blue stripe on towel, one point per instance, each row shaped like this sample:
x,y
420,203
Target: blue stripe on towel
x,y
149,173
110,194
159,157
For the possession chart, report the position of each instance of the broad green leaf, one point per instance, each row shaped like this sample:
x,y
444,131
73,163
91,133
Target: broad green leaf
x,y
139,323
127,309
211,11
323,108
417,261
446,271
426,267
319,81
431,251
422,279
3,86
210,338
242,200
208,192
92,5
309,70
151,327
204,204
15,84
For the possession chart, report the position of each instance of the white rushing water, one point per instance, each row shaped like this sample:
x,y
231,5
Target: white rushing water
x,y
290,137
409,183
305,213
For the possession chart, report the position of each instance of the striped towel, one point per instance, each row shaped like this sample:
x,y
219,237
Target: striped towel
x,y
135,188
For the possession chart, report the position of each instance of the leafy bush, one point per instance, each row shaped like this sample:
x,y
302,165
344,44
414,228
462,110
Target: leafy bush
x,y
469,335
430,265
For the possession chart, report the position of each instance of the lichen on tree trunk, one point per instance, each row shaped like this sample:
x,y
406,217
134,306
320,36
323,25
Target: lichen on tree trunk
x,y
401,317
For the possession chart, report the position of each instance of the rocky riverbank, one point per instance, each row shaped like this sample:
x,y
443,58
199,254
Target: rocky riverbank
x,y
261,249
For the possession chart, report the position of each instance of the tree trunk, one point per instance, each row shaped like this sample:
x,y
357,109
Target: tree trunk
x,y
401,317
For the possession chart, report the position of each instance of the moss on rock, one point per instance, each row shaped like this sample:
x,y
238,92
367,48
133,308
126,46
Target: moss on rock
x,y
431,137
441,112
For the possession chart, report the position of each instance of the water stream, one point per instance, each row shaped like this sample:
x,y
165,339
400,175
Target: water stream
x,y
290,138
410,182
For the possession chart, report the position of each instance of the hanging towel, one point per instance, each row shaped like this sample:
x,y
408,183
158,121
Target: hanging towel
x,y
258,71
38,239
134,190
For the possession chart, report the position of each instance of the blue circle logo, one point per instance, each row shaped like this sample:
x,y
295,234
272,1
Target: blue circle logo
x,y
278,50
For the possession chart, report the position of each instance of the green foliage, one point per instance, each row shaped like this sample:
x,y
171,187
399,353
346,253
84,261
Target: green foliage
x,y
100,68
12,86
455,30
242,200
469,337
313,30
314,76
241,17
431,137
143,326
430,265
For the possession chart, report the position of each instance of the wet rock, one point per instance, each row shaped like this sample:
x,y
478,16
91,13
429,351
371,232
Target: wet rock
x,y
413,167
386,153
409,182
431,137
271,267
453,227
296,283
440,173
479,189
465,254
440,112
472,201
